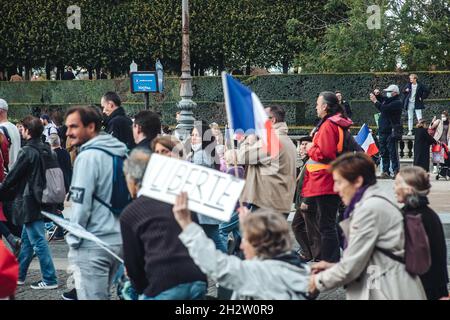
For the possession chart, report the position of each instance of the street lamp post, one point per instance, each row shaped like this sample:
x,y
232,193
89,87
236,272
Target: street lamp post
x,y
186,119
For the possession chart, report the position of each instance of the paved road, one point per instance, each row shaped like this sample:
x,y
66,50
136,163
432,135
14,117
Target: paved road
x,y
438,198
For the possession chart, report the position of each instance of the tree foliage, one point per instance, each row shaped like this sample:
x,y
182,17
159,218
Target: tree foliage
x,y
322,35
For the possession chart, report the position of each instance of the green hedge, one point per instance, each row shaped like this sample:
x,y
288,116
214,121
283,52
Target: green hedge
x,y
298,93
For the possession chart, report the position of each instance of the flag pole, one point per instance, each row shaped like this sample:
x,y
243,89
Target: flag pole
x,y
227,104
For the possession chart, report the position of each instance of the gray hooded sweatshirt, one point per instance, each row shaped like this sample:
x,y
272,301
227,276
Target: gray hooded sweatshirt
x,y
92,174
249,279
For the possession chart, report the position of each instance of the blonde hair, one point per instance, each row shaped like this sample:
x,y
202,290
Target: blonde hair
x,y
414,76
267,232
230,156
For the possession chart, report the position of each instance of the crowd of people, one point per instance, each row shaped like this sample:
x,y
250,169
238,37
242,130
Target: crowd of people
x,y
350,232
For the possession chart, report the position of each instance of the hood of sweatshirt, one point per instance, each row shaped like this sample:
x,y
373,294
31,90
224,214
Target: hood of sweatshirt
x,y
341,121
107,142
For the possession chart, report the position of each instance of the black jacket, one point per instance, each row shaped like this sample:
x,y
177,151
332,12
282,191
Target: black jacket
x,y
120,126
422,93
391,113
155,258
435,280
422,143
26,182
347,108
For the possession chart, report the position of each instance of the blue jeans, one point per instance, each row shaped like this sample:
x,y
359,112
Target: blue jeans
x,y
212,232
388,152
186,291
232,226
33,241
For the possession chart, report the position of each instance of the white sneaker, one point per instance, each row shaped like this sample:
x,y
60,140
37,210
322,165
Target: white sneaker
x,y
410,133
434,170
20,283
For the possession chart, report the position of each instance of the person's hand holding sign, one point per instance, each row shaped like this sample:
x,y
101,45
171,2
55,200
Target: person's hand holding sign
x,y
181,211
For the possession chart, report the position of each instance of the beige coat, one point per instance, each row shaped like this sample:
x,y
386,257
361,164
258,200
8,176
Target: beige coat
x,y
369,274
270,183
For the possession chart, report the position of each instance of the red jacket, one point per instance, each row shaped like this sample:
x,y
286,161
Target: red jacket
x,y
324,150
4,162
9,272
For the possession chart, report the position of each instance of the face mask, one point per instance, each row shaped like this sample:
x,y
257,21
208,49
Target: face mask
x,y
196,147
444,118
389,94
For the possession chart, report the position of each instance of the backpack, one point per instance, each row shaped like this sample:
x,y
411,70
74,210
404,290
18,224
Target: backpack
x,y
417,258
120,196
55,190
347,142
6,133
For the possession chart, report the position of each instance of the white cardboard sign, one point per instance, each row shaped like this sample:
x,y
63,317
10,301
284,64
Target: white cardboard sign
x,y
210,192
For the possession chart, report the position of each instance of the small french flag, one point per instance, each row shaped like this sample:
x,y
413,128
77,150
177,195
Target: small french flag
x,y
365,140
246,114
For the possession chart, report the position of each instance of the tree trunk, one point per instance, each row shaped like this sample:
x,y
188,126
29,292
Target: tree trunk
x,y
248,70
202,72
90,73
27,73
48,71
97,73
285,67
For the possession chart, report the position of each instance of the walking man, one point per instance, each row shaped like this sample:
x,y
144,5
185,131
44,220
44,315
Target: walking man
x,y
92,180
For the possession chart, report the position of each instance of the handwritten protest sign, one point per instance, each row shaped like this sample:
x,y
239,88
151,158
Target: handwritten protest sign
x,y
210,192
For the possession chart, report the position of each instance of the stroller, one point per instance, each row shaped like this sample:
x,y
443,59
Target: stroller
x,y
441,157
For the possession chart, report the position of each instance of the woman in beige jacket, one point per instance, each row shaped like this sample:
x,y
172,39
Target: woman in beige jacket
x,y
371,221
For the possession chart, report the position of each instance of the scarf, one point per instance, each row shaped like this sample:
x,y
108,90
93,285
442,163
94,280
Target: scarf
x,y
356,198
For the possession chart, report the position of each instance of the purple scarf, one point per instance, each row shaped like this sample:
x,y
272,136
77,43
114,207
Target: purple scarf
x,y
356,198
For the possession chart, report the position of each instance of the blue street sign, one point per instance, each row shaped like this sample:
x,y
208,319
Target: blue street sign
x,y
143,81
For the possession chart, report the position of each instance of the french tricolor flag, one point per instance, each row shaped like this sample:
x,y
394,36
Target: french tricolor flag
x,y
246,113
365,140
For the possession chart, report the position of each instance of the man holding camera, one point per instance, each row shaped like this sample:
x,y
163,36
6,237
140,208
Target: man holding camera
x,y
390,127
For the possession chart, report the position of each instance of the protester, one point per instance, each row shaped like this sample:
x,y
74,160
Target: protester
x,y
422,143
49,127
232,226
270,181
92,180
25,184
318,182
442,134
68,74
157,263
215,129
117,123
271,270
344,103
12,240
412,186
415,94
390,127
146,127
10,130
167,146
58,120
65,164
371,221
9,269
203,153
305,223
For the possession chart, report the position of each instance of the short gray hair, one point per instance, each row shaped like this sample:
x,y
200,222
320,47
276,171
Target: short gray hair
x,y
135,165
54,140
